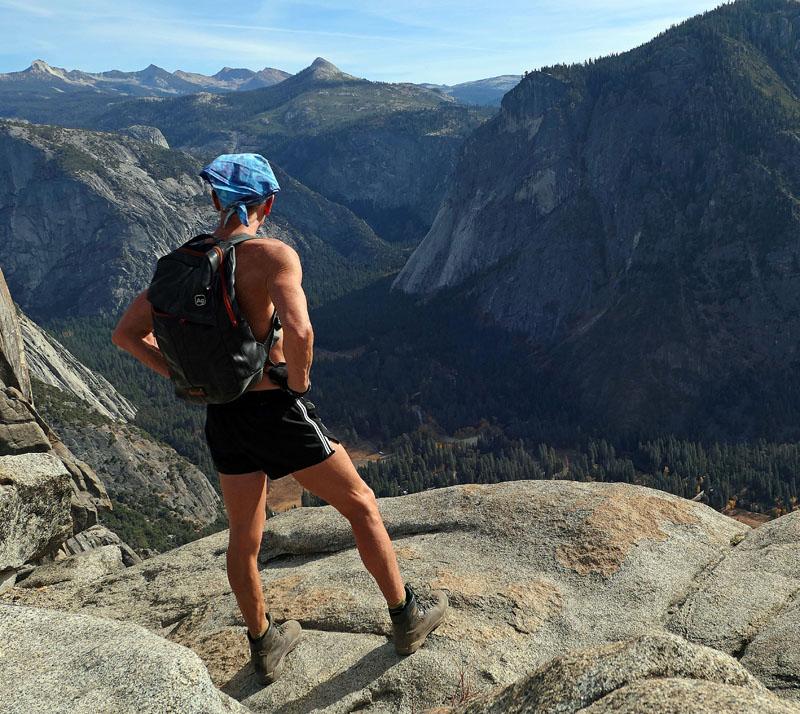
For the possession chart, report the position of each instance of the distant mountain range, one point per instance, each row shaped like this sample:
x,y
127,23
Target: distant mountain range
x,y
42,80
489,91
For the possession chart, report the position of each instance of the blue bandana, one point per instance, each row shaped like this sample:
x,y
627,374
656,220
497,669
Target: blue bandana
x,y
240,180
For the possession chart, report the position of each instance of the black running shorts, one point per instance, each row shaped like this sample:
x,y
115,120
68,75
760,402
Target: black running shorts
x,y
268,431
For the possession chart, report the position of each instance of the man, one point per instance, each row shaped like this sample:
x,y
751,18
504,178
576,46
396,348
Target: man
x,y
272,430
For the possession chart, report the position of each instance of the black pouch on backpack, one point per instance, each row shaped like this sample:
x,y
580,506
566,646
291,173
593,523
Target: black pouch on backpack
x,y
210,349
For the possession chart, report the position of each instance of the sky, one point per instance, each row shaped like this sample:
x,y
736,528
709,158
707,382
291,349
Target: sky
x,y
438,41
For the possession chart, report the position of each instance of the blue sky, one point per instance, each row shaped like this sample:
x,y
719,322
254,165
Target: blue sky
x,y
441,41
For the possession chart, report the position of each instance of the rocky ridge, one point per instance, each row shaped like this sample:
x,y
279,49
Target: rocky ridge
x,y
50,362
537,571
488,91
41,79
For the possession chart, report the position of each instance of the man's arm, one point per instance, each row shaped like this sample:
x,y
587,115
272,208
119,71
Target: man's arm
x,y
134,334
284,285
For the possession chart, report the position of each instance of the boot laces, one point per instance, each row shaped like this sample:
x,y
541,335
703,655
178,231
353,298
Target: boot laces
x,y
424,600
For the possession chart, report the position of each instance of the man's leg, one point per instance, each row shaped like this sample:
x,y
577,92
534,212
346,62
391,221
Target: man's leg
x,y
336,481
245,501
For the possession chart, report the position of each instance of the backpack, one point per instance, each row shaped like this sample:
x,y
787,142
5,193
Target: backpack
x,y
212,355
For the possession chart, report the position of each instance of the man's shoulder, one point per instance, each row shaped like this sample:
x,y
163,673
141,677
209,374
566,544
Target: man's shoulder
x,y
272,250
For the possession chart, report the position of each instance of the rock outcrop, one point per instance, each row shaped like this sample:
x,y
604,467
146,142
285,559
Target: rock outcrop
x,y
75,664
50,362
46,494
35,518
535,569
149,134
23,431
97,537
654,672
13,366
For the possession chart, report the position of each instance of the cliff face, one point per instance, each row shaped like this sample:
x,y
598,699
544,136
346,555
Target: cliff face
x,y
635,218
52,364
13,367
74,201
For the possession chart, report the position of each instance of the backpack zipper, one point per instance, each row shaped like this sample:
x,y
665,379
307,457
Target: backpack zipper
x,y
228,306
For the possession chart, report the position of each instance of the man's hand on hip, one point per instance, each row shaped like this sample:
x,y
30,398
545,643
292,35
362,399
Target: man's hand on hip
x,y
279,374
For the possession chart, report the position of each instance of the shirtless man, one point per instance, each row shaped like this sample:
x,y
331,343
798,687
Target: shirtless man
x,y
272,428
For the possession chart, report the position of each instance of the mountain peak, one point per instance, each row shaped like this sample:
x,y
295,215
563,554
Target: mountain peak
x,y
322,66
41,66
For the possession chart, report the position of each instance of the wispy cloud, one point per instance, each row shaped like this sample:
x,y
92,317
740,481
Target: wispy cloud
x,y
394,39
26,8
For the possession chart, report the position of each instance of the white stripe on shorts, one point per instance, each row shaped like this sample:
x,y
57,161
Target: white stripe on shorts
x,y
325,443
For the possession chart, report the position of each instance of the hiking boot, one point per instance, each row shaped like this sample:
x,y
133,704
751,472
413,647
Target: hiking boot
x,y
417,619
268,652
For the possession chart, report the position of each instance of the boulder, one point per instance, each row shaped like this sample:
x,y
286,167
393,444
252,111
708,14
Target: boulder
x,y
23,431
686,696
75,664
96,537
34,507
582,680
534,569
746,599
88,566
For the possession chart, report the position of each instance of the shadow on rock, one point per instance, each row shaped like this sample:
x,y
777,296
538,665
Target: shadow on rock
x,y
357,678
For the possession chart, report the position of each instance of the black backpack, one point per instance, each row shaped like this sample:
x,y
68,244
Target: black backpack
x,y
209,347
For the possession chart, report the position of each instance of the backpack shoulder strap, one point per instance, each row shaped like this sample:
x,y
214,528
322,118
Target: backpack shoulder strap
x,y
240,238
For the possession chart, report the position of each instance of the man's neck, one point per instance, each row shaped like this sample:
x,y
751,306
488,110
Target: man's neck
x,y
225,232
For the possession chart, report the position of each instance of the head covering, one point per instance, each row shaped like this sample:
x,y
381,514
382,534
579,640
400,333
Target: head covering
x,y
240,180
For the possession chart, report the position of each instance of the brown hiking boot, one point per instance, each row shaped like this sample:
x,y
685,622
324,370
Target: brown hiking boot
x,y
268,652
418,618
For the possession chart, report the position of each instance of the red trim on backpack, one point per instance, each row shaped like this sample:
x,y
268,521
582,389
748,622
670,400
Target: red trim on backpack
x,y
161,314
191,252
228,305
